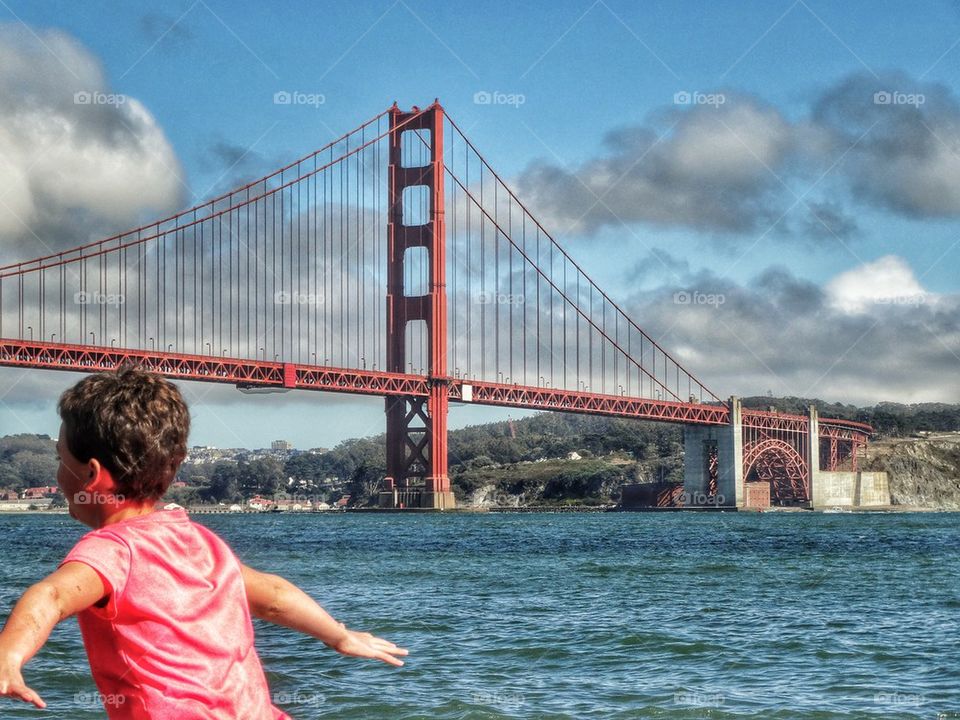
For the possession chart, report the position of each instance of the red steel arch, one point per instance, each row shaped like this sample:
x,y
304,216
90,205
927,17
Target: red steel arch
x,y
778,462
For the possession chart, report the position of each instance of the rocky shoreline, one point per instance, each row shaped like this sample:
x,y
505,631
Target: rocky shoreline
x,y
924,471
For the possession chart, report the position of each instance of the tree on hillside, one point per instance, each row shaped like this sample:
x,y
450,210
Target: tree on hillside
x,y
224,485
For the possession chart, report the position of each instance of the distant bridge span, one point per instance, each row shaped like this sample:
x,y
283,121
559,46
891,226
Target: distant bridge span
x,y
372,267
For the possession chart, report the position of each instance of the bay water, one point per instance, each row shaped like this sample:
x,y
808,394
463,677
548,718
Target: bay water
x,y
579,615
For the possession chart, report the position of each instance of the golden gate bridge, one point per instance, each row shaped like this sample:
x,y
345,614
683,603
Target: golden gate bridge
x,y
396,262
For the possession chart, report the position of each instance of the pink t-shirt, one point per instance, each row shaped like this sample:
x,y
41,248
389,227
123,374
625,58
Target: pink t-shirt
x,y
175,640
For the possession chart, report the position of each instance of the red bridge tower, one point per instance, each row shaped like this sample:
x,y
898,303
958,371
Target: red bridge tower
x,y
417,426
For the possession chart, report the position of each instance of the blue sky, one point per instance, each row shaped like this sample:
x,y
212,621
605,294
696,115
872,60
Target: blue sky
x,y
207,71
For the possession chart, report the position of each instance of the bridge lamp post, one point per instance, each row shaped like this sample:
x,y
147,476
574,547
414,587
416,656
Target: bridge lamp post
x,y
314,356
113,342
170,347
209,348
30,328
543,380
94,336
153,345
264,351
224,353
500,375
363,362
53,337
621,389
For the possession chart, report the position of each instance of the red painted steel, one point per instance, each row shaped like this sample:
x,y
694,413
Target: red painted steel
x,y
83,358
417,431
778,462
244,373
539,398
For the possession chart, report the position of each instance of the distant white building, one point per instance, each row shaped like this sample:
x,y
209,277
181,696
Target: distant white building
x,y
281,445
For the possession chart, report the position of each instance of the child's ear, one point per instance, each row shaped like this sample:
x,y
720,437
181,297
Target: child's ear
x,y
96,474
103,479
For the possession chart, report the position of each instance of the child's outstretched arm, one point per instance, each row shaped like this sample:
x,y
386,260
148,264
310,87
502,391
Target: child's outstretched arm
x,y
279,601
72,588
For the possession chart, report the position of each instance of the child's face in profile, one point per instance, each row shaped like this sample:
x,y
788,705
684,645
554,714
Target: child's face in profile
x,y
73,476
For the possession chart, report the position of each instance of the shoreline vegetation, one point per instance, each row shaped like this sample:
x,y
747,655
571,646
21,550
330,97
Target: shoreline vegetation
x,y
545,509
546,462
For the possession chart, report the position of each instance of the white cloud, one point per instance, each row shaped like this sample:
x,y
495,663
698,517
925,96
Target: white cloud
x,y
889,280
77,160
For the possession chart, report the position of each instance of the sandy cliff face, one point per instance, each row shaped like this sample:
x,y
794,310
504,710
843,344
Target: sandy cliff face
x,y
923,471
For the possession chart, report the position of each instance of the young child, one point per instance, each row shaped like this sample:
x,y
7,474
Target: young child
x,y
164,605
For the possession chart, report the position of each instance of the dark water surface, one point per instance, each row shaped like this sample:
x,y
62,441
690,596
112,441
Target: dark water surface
x,y
723,615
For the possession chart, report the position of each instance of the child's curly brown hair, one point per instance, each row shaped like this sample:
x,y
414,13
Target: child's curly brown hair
x,y
135,423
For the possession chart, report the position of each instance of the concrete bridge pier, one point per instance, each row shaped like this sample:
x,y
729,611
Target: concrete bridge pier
x,y
814,488
698,441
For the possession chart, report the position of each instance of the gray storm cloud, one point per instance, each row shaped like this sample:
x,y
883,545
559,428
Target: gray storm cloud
x,y
78,161
712,168
739,166
871,333
905,140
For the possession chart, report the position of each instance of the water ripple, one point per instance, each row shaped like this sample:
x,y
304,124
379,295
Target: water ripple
x,y
720,615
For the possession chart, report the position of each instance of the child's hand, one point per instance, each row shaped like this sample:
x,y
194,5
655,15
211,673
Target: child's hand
x,y
12,685
365,645
71,588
